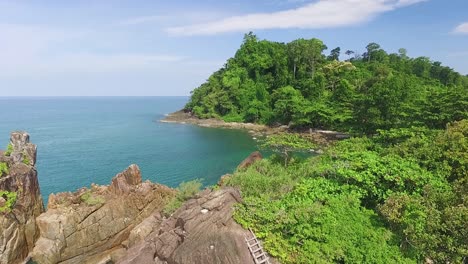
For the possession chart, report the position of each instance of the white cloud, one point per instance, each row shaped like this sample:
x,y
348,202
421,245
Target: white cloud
x,y
461,29
319,14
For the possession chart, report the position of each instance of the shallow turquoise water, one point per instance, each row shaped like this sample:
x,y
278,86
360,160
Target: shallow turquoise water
x,y
90,139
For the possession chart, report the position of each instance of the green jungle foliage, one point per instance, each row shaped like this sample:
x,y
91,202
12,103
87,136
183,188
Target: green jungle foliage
x,y
285,143
297,84
400,196
3,169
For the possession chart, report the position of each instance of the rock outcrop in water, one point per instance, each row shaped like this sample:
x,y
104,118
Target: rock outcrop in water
x,y
20,199
92,225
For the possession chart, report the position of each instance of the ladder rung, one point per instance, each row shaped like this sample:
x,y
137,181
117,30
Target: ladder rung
x,y
252,245
261,255
256,250
248,240
263,261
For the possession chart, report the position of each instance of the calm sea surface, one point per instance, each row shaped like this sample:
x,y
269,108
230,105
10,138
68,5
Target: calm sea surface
x,y
88,140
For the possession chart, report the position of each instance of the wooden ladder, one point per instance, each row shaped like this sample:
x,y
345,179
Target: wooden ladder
x,y
256,249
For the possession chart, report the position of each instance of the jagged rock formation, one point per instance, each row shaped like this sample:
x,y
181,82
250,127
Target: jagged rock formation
x,y
92,225
20,200
201,231
251,159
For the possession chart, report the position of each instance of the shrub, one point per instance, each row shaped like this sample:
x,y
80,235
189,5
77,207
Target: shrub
x,y
10,198
185,191
26,159
233,117
9,150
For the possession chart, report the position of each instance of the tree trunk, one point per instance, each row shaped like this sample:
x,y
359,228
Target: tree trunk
x,y
294,70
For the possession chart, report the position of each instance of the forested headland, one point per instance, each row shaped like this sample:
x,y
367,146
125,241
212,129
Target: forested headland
x,y
395,193
299,85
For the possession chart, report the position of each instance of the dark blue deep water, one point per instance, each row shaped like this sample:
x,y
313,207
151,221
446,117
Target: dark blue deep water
x,y
88,140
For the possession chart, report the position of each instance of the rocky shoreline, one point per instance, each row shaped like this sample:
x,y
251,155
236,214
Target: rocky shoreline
x,y
119,223
182,117
322,137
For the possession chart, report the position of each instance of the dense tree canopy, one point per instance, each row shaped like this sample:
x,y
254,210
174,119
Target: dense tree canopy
x,y
296,84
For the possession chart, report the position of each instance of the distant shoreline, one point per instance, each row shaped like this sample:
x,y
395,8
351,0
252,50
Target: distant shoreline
x,y
319,136
181,117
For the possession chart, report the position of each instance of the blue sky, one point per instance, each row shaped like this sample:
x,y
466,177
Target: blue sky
x,y
103,47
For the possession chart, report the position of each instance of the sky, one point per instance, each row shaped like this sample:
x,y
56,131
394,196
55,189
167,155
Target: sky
x,y
168,48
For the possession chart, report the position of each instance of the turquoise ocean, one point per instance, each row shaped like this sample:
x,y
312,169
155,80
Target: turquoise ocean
x,y
84,140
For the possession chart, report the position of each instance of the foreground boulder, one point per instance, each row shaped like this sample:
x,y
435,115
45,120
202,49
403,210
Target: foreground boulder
x,y
201,231
20,199
92,225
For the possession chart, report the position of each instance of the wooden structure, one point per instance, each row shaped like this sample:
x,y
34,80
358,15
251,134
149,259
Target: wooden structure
x,y
256,249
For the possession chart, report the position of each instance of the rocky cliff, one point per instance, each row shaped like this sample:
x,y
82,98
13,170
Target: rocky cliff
x,y
91,225
20,199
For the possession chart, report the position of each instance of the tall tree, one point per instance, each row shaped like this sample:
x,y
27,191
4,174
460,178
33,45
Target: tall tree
x,y
334,54
371,48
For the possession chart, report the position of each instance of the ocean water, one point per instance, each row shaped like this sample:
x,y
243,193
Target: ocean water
x,y
88,140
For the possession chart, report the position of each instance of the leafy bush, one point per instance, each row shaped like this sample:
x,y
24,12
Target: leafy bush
x,y
9,150
233,117
286,143
10,200
3,168
185,191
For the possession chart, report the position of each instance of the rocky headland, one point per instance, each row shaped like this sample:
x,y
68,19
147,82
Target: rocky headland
x,y
119,223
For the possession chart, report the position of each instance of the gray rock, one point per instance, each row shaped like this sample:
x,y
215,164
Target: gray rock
x,y
190,236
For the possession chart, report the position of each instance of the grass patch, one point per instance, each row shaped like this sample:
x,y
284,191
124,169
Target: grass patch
x,y
91,199
185,191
